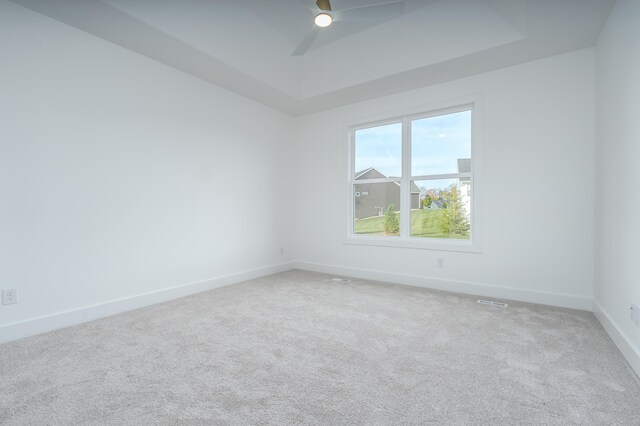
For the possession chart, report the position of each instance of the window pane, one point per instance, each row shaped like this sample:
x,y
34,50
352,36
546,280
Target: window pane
x,y
378,152
377,208
439,143
444,209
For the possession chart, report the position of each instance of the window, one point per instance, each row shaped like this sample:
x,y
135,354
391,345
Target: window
x,y
412,181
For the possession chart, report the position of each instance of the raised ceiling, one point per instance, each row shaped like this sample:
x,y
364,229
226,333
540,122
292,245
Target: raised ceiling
x,y
246,45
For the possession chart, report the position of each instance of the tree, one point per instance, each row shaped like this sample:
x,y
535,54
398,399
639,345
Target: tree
x,y
455,222
391,221
426,201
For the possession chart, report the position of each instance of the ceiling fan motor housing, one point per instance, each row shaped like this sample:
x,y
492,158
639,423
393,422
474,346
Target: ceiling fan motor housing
x,y
324,5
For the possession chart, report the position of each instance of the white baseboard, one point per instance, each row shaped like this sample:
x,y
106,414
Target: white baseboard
x,y
31,327
479,289
626,346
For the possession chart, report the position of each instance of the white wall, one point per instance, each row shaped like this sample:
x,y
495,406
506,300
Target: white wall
x,y
538,155
618,196
120,176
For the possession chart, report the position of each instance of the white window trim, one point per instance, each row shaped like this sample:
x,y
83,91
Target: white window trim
x,y
474,244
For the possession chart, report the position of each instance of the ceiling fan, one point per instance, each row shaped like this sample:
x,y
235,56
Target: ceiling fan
x,y
325,16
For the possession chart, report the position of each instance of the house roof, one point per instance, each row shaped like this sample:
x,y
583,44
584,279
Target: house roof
x,y
365,171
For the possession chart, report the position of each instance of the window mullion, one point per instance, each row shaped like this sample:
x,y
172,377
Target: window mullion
x,y
405,193
445,176
374,180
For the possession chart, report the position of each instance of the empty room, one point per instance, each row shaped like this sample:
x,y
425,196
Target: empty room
x,y
319,212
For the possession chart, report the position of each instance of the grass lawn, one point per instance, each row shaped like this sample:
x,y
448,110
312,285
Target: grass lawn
x,y
424,223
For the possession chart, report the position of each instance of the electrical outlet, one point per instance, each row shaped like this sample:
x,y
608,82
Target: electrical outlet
x,y
9,296
440,262
635,313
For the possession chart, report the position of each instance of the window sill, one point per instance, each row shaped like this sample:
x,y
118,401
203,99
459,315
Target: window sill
x,y
415,243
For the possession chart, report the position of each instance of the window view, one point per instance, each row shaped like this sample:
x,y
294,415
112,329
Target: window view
x,y
441,146
435,188
438,143
379,149
378,159
377,208
444,211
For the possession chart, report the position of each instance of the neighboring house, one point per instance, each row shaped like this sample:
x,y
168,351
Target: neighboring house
x,y
373,199
436,204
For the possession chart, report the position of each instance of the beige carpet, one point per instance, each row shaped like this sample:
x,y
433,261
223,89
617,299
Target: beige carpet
x,y
296,348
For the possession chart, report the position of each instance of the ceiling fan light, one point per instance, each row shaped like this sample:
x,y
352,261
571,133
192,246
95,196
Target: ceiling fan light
x,y
323,19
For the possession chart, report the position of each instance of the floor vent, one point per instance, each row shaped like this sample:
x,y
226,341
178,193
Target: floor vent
x,y
340,280
492,303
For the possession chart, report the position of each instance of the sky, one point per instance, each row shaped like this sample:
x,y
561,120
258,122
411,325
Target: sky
x,y
436,145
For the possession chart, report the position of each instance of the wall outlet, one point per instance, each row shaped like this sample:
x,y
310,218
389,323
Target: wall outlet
x,y
635,313
9,296
440,262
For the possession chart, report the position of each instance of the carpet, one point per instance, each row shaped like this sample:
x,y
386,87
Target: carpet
x,y
298,348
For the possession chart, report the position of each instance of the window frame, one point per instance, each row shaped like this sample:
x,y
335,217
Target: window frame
x,y
405,240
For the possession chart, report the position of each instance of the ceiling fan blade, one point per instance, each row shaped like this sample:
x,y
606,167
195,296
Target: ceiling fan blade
x,y
306,42
380,12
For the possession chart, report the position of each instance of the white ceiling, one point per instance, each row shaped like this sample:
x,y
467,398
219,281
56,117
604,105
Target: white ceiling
x,y
246,45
